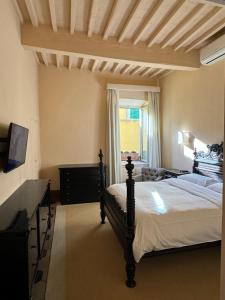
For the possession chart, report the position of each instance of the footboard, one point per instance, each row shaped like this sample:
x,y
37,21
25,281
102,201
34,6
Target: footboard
x,y
122,222
116,216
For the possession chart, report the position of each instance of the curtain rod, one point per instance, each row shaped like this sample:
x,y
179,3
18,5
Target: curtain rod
x,y
137,88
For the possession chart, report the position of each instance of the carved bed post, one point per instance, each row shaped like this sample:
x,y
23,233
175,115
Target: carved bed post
x,y
130,262
195,165
102,187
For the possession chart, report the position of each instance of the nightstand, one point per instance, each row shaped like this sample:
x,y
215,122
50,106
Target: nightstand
x,y
175,173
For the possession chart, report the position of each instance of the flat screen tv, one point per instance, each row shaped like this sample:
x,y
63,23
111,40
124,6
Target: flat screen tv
x,y
17,147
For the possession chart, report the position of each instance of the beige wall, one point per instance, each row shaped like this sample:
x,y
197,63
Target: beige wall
x,y
18,97
194,102
73,117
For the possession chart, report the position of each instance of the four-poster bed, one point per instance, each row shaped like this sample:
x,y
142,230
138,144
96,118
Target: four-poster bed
x,y
123,219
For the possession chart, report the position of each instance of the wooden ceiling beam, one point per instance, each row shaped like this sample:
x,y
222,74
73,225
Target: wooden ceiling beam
x,y
105,66
94,65
146,72
218,3
58,60
36,57
43,39
73,8
53,14
45,58
178,5
181,25
32,13
126,69
137,70
128,21
165,73
70,65
92,17
115,67
18,11
206,35
188,35
83,63
110,20
155,73
142,29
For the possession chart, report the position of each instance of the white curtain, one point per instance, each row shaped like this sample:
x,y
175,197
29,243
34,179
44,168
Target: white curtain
x,y
154,130
113,154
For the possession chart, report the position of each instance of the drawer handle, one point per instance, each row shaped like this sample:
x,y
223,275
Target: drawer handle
x,y
43,219
34,264
33,247
33,228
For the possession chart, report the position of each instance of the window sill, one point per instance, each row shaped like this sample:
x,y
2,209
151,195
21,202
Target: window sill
x,y
135,162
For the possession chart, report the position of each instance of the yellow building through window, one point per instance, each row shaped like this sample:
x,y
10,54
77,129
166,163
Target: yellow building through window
x,y
129,131
134,130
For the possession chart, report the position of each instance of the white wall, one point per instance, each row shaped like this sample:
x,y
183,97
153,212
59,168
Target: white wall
x,y
193,102
18,97
73,116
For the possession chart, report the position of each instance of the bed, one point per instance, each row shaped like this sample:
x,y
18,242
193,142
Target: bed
x,y
155,218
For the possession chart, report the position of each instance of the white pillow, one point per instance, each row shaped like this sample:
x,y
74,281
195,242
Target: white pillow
x,y
198,179
216,187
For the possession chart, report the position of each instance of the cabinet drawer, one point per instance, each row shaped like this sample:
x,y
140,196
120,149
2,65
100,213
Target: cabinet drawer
x,y
80,172
77,179
32,252
43,213
80,196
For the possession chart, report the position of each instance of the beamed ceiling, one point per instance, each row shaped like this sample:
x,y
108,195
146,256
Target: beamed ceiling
x,y
144,38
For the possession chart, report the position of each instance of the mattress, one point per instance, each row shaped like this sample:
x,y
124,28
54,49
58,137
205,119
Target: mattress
x,y
172,213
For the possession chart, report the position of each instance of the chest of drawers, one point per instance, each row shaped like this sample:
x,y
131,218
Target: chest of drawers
x,y
24,222
79,183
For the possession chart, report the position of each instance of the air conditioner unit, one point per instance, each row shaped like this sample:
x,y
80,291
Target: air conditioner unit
x,y
213,52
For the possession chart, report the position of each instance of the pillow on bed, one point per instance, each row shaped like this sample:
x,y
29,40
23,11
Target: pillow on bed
x,y
198,179
216,187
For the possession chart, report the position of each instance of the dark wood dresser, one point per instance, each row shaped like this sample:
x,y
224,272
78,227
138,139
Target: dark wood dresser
x,y
79,183
25,219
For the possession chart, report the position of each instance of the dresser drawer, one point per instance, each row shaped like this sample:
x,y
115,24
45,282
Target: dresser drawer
x,y
79,184
80,172
76,179
43,214
80,195
32,248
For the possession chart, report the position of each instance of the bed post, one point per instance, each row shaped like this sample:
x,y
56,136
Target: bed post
x,y
102,187
130,262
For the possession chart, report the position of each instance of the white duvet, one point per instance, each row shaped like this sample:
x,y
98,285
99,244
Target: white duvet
x,y
172,213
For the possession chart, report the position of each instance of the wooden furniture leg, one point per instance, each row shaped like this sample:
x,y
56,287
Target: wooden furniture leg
x,y
130,262
102,187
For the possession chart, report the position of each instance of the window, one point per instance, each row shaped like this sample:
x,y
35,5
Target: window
x,y
134,132
133,113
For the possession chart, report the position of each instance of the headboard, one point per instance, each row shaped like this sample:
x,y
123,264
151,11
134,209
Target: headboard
x,y
210,163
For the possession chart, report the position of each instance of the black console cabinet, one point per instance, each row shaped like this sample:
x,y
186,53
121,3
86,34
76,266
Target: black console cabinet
x,y
24,222
79,183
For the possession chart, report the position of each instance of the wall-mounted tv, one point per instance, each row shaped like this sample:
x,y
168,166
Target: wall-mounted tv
x,y
16,147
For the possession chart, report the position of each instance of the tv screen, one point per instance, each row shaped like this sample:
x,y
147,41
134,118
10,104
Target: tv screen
x,y
17,147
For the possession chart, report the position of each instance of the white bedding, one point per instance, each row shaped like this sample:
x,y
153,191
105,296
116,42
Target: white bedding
x,y
172,213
